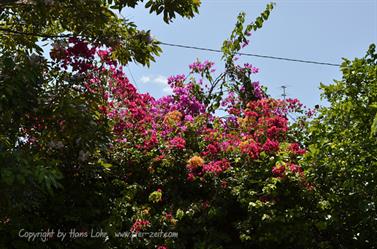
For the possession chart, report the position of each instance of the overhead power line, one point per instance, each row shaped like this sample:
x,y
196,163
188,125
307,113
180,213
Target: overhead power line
x,y
15,32
132,76
254,55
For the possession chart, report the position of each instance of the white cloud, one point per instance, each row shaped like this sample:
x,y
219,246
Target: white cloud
x,y
145,79
161,80
158,80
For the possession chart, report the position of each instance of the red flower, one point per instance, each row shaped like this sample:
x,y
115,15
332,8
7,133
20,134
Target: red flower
x,y
251,148
139,225
270,146
103,109
190,177
277,121
274,132
205,204
212,149
158,158
177,143
295,168
278,170
103,54
295,149
168,216
150,142
217,166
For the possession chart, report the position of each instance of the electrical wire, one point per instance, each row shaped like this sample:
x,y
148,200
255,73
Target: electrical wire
x,y
135,83
9,31
254,55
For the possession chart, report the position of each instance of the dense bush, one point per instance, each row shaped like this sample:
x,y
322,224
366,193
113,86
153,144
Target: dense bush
x,y
169,164
217,162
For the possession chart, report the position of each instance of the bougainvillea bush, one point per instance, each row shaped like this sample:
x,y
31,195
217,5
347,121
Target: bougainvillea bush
x,y
216,164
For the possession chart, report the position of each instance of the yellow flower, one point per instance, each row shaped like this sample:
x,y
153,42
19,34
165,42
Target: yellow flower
x,y
195,161
145,211
243,144
172,118
173,221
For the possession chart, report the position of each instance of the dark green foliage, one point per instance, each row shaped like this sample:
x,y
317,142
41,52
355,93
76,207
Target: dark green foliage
x,y
24,22
60,181
343,157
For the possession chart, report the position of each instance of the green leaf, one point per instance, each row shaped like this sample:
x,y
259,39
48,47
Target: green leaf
x,y
374,126
104,164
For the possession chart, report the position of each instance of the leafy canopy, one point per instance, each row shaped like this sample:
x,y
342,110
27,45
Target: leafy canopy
x,y
343,148
23,22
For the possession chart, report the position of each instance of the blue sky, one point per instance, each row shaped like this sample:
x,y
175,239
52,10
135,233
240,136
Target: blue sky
x,y
321,30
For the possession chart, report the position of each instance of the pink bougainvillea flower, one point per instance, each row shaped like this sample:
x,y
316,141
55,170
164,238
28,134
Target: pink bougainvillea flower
x,y
216,166
177,143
